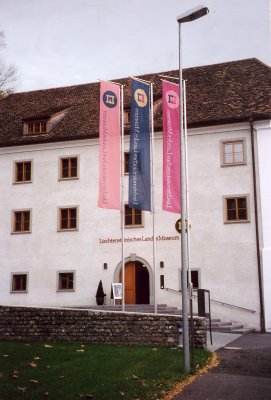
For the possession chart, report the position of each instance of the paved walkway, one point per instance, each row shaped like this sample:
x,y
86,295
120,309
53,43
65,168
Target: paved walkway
x,y
244,372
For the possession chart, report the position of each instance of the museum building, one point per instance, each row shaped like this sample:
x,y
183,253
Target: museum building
x,y
56,244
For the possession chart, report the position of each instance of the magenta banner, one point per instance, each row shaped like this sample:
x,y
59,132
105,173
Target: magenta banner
x,y
109,146
171,147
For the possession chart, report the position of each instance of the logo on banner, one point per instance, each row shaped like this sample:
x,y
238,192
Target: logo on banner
x,y
141,97
110,99
172,99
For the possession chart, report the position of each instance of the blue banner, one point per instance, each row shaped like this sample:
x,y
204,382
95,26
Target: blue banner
x,y
139,161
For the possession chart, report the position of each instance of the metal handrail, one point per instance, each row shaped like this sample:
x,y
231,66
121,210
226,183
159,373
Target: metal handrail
x,y
217,301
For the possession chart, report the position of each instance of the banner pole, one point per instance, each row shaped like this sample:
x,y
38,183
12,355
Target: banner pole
x,y
187,184
188,226
122,200
185,297
153,203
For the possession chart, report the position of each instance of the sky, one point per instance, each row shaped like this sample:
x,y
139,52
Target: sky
x,y
57,43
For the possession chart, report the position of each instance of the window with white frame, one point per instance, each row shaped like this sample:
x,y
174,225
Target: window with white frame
x,y
233,152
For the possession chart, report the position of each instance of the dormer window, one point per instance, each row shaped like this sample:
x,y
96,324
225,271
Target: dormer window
x,y
44,121
35,127
127,117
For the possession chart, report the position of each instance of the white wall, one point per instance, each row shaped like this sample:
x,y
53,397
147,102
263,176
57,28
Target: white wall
x,y
225,254
264,148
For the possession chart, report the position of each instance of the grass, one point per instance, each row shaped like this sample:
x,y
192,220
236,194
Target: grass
x,y
56,371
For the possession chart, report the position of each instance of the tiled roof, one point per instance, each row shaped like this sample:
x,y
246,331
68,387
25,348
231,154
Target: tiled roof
x,y
216,94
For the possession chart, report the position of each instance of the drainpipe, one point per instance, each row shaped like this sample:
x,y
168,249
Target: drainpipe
x,y
262,318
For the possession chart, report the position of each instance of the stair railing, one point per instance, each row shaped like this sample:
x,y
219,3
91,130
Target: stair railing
x,y
223,303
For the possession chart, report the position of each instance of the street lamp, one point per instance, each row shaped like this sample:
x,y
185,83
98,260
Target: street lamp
x,y
188,16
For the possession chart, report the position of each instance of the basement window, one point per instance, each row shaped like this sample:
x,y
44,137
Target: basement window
x,y
19,283
66,281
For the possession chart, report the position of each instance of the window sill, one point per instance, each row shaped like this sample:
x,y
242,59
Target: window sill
x,y
18,291
65,290
21,182
20,232
237,222
69,179
233,165
68,230
133,226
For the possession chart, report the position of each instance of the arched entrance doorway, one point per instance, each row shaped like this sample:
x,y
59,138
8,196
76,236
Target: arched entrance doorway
x,y
137,283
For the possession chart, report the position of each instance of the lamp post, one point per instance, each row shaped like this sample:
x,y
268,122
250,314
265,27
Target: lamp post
x,y
188,16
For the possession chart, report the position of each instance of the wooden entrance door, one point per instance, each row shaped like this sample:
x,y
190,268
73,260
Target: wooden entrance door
x,y
130,283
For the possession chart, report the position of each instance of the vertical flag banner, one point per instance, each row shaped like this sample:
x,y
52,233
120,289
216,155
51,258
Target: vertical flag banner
x,y
109,146
139,161
171,147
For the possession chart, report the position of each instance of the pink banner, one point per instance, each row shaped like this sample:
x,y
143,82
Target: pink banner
x,y
171,147
109,146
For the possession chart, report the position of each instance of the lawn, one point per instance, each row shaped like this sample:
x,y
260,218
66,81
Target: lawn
x,y
56,371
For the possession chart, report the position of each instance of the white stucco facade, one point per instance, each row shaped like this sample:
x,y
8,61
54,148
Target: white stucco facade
x,y
263,134
224,254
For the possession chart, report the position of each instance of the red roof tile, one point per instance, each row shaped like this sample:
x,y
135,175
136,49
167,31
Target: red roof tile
x,y
216,94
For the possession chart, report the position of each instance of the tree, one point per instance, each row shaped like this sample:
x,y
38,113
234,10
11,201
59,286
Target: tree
x,y
8,73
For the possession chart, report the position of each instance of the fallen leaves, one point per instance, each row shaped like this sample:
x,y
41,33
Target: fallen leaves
x,y
14,374
212,362
34,381
81,350
22,388
32,365
48,346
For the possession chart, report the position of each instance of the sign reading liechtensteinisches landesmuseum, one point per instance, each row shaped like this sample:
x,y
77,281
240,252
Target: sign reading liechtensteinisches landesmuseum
x,y
138,239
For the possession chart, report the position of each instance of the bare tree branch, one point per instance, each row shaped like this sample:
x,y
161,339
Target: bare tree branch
x,y
8,73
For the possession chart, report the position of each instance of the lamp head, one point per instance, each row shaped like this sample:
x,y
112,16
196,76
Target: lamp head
x,y
191,15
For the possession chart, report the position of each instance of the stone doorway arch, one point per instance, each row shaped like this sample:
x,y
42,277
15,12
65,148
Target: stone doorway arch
x,y
138,279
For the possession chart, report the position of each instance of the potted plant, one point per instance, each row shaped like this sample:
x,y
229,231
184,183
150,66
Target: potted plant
x,y
100,294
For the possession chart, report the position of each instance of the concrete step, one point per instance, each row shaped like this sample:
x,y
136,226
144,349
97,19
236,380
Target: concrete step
x,y
227,327
230,327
